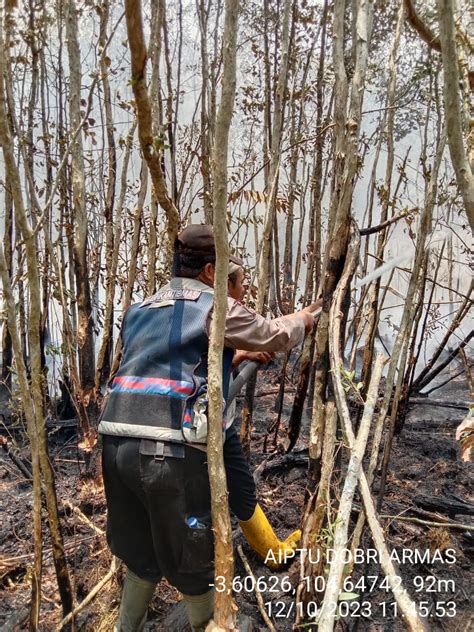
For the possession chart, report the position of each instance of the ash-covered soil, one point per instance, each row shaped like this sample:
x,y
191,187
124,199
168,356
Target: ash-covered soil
x,y
435,562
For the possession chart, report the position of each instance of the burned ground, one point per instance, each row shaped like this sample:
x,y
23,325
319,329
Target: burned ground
x,y
427,481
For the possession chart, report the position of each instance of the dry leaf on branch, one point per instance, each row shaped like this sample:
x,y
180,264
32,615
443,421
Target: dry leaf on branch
x,y
465,436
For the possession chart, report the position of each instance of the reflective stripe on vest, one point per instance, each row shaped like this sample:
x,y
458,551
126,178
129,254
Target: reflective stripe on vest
x,y
163,369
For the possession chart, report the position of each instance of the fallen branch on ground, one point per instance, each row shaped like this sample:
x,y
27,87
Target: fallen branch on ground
x,y
258,595
427,401
97,588
285,461
449,506
429,523
83,518
272,391
17,461
72,544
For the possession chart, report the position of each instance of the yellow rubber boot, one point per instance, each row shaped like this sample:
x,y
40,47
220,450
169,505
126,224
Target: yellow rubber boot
x,y
261,537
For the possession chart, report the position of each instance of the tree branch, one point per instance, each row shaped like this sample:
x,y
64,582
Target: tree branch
x,y
431,38
376,229
149,143
421,27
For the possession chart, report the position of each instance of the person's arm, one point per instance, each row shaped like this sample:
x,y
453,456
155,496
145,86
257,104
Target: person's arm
x,y
248,331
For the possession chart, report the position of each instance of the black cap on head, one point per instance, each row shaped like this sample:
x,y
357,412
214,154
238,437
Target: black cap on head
x,y
197,240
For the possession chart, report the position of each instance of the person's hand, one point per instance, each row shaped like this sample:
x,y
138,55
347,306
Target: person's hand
x,y
254,356
317,305
309,314
263,357
308,320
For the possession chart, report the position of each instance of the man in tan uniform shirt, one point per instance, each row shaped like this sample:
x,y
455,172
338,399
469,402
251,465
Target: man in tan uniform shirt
x,y
158,506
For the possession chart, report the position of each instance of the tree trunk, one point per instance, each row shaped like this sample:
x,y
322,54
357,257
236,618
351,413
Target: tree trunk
x,y
224,611
85,334
344,167
112,264
169,105
7,350
314,249
264,272
32,392
21,371
452,107
408,314
414,622
104,357
374,289
464,309
203,9
149,138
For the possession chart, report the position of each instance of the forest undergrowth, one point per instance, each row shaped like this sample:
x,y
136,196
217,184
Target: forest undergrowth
x,y
425,467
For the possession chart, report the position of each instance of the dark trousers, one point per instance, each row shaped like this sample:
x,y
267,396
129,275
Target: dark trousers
x,y
149,499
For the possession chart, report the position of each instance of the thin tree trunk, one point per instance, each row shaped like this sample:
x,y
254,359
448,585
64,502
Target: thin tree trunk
x,y
374,289
148,137
344,168
85,335
33,392
413,354
464,342
45,276
135,245
408,314
452,106
405,603
214,71
28,409
224,610
326,620
104,356
462,312
154,53
314,248
7,349
316,181
295,132
170,116
264,272
112,263
134,248
203,9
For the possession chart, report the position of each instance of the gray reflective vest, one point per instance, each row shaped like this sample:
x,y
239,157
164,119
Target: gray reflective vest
x,y
160,389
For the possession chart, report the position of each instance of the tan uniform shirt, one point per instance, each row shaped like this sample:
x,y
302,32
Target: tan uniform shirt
x,y
245,329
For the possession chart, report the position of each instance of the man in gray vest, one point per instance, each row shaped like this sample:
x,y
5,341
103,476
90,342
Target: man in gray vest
x,y
154,428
